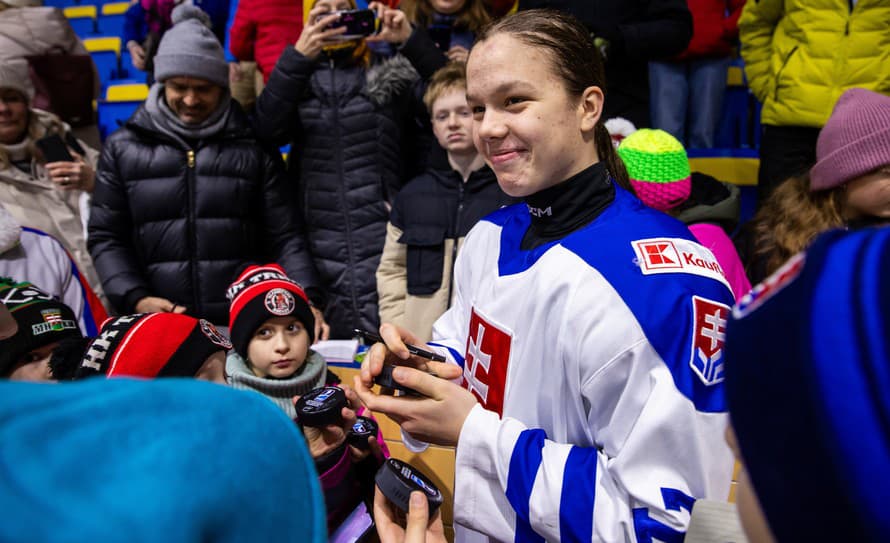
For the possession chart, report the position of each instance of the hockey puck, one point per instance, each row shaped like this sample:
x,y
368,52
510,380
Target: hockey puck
x,y
385,379
321,407
363,429
397,480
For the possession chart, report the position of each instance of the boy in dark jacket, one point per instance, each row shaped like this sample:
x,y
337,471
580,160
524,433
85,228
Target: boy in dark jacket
x,y
185,197
433,213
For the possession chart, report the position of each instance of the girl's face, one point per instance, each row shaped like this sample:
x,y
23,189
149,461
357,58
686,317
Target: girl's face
x,y
528,128
278,348
869,196
34,366
447,7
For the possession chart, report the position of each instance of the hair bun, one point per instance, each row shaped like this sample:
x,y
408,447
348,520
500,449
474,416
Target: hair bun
x,y
183,12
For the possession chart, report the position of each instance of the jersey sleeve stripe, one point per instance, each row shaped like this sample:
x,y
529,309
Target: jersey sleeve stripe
x,y
578,495
454,354
524,464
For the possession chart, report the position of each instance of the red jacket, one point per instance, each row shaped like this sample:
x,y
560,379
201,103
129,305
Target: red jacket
x,y
714,27
263,28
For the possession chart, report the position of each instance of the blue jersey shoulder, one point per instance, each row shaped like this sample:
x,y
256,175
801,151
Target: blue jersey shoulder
x,y
683,314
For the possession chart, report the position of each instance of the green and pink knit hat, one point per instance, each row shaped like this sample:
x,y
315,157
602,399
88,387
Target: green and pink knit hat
x,y
658,168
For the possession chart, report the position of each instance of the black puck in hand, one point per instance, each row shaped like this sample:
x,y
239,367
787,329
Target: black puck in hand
x,y
397,480
363,429
385,379
321,407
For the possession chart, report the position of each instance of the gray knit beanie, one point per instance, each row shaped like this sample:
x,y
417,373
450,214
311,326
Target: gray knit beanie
x,y
190,49
14,75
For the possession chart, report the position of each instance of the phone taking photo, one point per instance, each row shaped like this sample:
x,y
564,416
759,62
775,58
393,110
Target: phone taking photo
x,y
359,23
54,149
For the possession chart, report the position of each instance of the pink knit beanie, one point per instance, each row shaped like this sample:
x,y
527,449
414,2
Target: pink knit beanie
x,y
854,141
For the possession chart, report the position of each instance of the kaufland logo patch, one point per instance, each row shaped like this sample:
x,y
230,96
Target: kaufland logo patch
x,y
675,255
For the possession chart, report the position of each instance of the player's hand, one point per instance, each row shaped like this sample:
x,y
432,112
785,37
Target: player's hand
x,y
394,25
393,351
316,34
435,417
393,526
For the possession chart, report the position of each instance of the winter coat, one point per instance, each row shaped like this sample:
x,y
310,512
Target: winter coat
x,y
801,55
712,213
263,29
346,153
638,31
181,223
38,30
35,201
34,31
715,28
429,220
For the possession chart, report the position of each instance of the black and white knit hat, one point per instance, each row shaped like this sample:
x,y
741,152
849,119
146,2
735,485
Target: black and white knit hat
x,y
41,320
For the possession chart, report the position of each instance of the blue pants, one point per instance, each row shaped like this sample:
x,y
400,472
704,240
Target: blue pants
x,y
686,98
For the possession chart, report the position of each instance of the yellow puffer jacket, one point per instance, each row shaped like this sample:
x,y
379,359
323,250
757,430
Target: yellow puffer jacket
x,y
800,55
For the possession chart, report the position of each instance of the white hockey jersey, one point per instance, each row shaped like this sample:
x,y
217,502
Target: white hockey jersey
x,y
597,362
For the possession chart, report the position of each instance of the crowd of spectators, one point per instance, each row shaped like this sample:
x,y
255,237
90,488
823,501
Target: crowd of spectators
x,y
188,225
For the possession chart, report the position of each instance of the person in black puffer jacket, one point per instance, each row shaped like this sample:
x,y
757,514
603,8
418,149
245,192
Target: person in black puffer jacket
x,y
345,113
185,197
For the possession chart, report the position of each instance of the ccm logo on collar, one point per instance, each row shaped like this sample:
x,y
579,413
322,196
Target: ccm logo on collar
x,y
676,255
538,212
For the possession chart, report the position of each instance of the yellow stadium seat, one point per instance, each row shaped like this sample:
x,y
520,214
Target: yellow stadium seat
x,y
77,12
735,170
129,92
111,43
115,8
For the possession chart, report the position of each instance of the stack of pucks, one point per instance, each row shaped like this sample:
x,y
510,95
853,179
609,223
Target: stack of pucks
x,y
658,168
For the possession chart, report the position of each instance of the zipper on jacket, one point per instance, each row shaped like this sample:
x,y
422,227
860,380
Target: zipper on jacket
x,y
341,189
457,224
191,234
782,69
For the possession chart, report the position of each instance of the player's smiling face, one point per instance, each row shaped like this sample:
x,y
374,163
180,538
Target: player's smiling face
x,y
527,126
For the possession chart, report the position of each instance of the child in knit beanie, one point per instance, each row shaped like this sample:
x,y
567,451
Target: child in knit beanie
x,y
272,326
148,345
43,322
659,172
849,186
807,382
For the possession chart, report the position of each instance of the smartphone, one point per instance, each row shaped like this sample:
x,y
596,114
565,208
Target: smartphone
x,y
74,145
358,22
54,149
